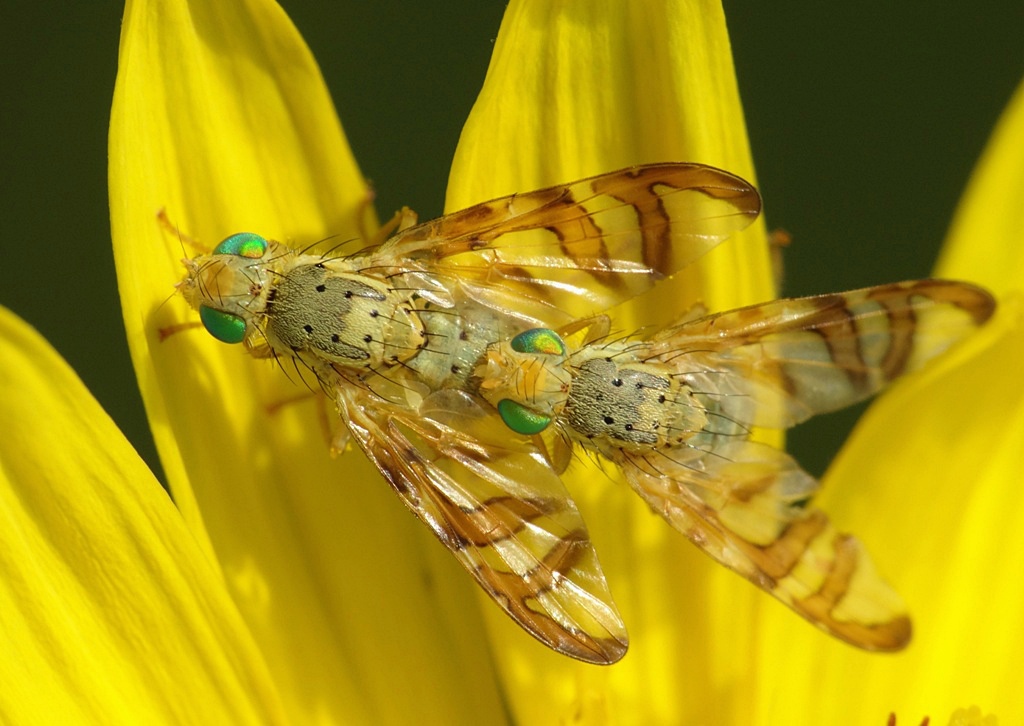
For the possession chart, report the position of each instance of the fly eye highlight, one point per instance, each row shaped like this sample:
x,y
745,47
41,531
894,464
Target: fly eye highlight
x,y
538,340
243,244
225,327
521,419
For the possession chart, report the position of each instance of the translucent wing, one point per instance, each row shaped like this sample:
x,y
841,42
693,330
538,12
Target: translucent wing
x,y
776,364
497,506
586,246
743,503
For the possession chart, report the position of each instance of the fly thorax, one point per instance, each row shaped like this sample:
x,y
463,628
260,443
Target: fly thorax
x,y
347,319
634,406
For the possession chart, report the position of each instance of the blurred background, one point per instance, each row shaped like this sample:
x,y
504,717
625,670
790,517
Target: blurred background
x,y
865,119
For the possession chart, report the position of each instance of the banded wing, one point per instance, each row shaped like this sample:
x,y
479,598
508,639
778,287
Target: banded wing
x,y
496,505
745,503
582,247
779,363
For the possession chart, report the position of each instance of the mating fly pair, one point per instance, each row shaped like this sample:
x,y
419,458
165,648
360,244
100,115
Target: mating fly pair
x,y
468,357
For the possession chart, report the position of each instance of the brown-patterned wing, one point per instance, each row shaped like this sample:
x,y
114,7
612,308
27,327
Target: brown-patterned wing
x,y
744,504
583,247
496,505
776,364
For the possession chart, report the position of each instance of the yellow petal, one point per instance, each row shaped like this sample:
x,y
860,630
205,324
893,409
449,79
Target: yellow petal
x,y
575,89
111,612
930,480
220,115
986,243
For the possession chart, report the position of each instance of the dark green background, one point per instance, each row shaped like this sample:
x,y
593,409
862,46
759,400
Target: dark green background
x,y
865,120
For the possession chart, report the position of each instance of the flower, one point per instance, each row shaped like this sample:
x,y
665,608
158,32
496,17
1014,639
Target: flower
x,y
367,587
289,587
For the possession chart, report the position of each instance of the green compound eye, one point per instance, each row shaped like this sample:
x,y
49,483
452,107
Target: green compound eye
x,y
521,419
225,327
243,244
538,340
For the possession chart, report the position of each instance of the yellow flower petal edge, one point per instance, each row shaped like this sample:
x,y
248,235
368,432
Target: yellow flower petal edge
x,y
575,89
111,612
220,116
986,242
930,480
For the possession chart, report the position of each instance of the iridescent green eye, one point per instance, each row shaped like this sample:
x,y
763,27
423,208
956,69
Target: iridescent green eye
x,y
225,327
243,244
538,340
521,419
